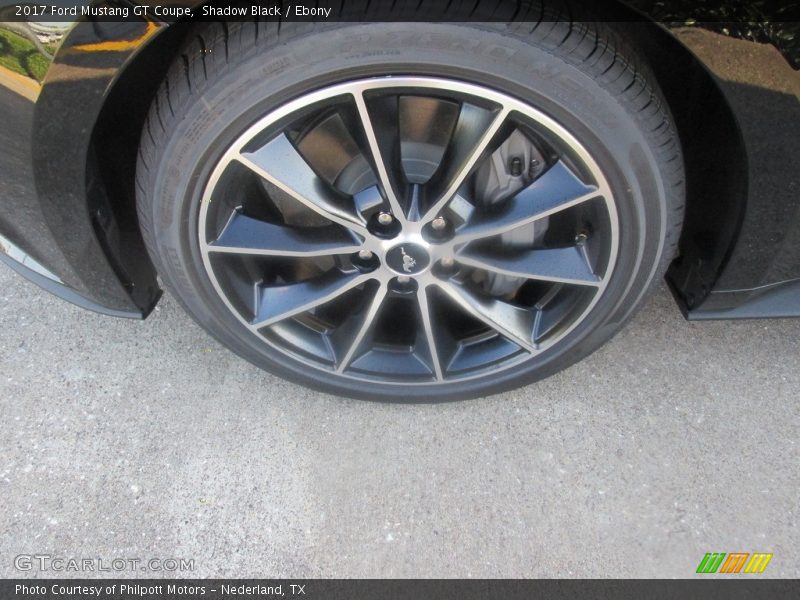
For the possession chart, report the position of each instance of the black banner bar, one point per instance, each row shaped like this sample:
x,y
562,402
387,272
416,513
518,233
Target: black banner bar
x,y
666,11
733,588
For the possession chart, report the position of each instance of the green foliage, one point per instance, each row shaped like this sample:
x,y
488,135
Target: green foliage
x,y
20,55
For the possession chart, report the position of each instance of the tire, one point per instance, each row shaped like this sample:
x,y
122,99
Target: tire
x,y
587,108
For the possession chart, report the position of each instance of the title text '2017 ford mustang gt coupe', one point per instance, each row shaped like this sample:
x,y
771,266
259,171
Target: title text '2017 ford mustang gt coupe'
x,y
434,201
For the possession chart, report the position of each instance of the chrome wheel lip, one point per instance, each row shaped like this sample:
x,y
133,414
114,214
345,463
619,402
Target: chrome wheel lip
x,y
413,229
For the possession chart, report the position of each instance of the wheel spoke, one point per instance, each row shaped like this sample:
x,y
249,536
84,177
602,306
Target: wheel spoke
x,y
430,335
527,242
556,190
564,265
279,163
279,302
512,322
387,183
349,337
474,130
245,235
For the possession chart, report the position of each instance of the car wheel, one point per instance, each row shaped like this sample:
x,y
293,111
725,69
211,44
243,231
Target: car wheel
x,y
409,211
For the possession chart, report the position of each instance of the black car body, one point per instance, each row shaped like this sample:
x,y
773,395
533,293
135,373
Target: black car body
x,y
74,97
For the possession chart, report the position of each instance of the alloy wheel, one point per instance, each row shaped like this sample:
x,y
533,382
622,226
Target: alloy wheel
x,y
408,230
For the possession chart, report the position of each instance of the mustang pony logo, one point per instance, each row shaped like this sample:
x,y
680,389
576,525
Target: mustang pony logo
x,y
409,262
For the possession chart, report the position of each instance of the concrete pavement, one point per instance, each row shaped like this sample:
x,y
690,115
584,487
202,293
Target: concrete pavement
x,y
123,439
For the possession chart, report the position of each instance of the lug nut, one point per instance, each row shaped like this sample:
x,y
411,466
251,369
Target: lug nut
x,y
581,238
385,218
447,262
439,223
364,254
403,279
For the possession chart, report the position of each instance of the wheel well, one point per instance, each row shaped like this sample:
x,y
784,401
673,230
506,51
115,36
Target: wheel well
x,y
113,148
715,158
716,189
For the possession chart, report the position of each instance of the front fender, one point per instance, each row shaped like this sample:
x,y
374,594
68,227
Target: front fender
x,y
54,79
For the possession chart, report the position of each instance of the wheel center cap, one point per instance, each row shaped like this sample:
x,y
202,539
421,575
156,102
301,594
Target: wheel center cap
x,y
407,259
